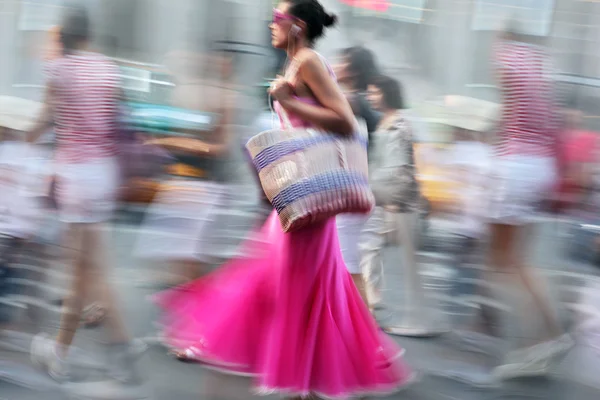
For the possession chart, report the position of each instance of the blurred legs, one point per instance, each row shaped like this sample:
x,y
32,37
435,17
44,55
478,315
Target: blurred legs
x,y
371,245
89,270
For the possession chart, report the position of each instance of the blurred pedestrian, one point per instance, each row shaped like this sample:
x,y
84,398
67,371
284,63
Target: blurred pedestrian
x,y
188,223
576,149
354,71
524,173
580,188
94,312
393,181
82,100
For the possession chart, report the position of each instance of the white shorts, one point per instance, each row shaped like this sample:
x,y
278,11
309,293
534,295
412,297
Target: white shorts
x,y
517,187
87,192
350,228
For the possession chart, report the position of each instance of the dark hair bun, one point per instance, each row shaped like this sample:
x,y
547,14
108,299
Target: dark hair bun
x,y
330,20
314,16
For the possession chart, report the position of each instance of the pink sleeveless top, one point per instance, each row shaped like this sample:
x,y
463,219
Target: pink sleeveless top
x,y
296,121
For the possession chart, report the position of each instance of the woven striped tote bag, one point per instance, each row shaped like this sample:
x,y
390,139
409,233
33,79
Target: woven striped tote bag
x,y
309,175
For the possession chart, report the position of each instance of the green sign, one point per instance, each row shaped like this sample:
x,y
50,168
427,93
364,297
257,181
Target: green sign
x,y
167,120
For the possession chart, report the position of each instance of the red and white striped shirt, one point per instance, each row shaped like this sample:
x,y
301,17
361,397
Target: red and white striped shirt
x,y
86,101
530,120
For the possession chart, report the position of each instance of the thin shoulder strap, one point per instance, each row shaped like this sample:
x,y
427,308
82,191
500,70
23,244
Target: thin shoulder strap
x,y
327,66
292,70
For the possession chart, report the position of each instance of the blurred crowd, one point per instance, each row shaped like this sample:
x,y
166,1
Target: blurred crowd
x,y
91,155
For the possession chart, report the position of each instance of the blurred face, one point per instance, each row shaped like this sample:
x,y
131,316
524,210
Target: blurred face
x,y
342,69
281,25
375,98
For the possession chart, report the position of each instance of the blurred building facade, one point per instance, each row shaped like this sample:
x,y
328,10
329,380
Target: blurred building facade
x,y
433,46
447,44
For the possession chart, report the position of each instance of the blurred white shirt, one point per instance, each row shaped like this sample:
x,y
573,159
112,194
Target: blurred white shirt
x,y
471,164
24,177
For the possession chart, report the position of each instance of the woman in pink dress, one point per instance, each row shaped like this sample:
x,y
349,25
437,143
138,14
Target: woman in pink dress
x,y
290,315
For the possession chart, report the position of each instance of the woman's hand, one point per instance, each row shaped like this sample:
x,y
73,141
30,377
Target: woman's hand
x,y
281,90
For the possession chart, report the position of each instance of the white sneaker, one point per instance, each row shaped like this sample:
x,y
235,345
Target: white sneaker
x,y
43,354
552,349
529,362
535,360
562,345
521,369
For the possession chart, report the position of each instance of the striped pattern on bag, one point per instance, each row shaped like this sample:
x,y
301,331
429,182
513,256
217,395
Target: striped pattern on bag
x,y
309,176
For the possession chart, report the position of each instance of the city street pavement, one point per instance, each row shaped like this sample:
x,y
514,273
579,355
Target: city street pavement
x,y
453,365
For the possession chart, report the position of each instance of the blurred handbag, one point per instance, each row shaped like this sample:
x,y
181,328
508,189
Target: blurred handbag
x,y
310,176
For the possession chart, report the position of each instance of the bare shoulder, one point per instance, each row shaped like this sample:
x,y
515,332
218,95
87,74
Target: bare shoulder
x,y
310,60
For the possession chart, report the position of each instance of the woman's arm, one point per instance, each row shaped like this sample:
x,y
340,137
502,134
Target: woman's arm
x,y
188,146
45,119
335,113
222,132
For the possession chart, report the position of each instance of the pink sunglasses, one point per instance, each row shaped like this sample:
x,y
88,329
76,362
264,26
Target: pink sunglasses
x,y
279,17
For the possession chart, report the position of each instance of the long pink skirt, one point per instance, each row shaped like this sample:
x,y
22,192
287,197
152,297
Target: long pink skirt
x,y
290,316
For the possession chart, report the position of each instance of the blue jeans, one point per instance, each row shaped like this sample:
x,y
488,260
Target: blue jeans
x,y
10,249
463,283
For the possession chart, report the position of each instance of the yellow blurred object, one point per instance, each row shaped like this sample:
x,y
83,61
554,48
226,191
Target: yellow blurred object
x,y
185,171
436,184
443,116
